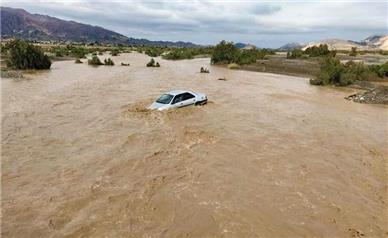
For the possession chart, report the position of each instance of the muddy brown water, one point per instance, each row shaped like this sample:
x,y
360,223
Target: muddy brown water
x,y
268,156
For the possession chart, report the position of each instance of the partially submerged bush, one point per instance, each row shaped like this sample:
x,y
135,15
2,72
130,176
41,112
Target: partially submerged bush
x,y
95,61
124,64
152,63
204,70
23,55
78,61
109,62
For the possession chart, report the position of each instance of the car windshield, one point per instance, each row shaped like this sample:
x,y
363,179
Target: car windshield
x,y
165,99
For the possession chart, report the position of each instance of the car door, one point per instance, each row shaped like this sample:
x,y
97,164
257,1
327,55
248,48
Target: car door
x,y
177,101
188,99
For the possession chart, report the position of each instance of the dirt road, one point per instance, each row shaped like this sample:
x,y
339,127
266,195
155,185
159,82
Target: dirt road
x,y
269,156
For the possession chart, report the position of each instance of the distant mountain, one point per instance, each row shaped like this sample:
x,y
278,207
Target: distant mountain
x,y
133,41
375,42
240,45
291,46
22,24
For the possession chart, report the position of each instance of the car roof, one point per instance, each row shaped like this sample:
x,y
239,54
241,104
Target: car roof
x,y
176,92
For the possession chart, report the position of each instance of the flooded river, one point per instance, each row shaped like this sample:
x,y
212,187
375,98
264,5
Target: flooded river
x,y
268,156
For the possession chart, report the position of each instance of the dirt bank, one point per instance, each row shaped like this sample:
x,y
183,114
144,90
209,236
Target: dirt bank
x,y
269,156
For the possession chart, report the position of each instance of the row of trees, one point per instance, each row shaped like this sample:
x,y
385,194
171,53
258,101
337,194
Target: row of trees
x,y
314,51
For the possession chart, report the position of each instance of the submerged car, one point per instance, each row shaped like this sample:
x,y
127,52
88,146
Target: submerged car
x,y
177,99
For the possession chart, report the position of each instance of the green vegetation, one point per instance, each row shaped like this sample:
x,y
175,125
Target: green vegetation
x,y
74,51
224,53
227,52
114,52
294,54
78,61
154,51
314,51
335,73
109,62
321,50
124,64
178,54
23,55
152,63
353,51
95,61
187,53
380,70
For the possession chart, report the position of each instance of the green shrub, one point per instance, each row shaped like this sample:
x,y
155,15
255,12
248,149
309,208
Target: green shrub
x,y
224,53
157,64
153,51
23,55
335,73
330,72
247,57
321,50
94,61
353,72
58,53
114,52
78,61
109,62
379,70
178,54
294,54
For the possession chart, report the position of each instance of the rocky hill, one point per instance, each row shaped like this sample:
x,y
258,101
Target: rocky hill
x,y
22,24
375,42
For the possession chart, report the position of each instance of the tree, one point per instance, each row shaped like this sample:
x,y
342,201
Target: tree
x,y
23,55
315,51
224,53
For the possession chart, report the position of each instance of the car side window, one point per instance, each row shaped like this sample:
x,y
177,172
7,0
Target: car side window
x,y
187,96
178,98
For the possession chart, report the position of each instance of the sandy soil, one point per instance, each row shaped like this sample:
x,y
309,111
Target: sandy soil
x,y
269,156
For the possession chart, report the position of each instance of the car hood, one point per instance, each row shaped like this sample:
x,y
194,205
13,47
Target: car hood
x,y
156,105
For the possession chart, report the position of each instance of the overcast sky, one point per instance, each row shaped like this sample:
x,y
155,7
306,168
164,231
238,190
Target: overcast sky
x,y
263,23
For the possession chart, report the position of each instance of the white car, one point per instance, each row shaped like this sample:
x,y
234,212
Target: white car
x,y
178,98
